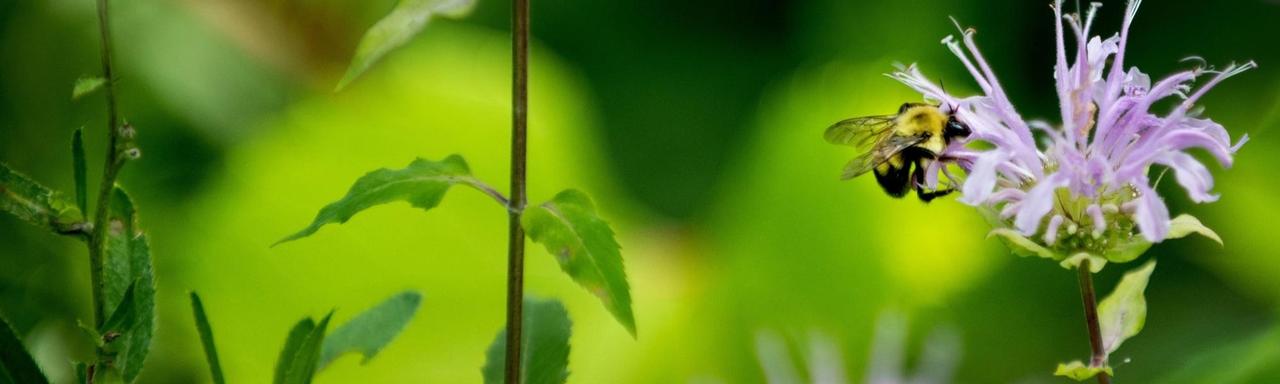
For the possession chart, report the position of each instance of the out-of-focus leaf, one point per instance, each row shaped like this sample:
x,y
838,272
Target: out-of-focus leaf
x,y
1185,224
128,262
86,85
544,346
81,371
1021,245
1079,371
394,30
301,353
1122,314
206,339
35,203
371,330
1249,360
584,245
16,365
78,165
423,184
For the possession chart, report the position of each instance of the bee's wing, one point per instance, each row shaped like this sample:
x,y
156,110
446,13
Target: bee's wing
x,y
860,132
886,148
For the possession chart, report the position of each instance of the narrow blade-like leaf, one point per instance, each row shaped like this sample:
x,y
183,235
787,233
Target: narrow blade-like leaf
x,y
297,335
128,262
78,165
86,85
124,316
206,339
35,203
1122,314
302,366
544,346
570,229
372,329
423,184
397,28
16,365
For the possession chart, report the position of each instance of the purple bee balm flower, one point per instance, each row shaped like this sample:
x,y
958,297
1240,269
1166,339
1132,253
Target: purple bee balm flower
x,y
1086,186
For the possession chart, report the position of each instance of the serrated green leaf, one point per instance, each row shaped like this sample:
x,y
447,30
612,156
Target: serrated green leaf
x,y
78,167
302,364
297,335
372,329
423,184
1122,314
397,28
570,229
86,85
206,339
16,365
35,203
128,262
544,346
1080,371
1185,224
1021,245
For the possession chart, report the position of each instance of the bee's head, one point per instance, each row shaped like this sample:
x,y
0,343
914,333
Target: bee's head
x,y
956,129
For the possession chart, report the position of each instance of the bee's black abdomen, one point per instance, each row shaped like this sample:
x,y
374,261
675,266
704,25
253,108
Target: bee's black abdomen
x,y
895,181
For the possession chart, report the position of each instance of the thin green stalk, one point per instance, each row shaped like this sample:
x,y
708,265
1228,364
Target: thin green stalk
x,y
1090,301
111,168
519,125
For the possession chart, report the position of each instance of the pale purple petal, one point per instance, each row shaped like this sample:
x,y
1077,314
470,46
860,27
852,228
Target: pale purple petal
x,y
1191,175
1051,230
1038,202
1151,214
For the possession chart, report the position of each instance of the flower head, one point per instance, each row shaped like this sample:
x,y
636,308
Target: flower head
x,y
1086,186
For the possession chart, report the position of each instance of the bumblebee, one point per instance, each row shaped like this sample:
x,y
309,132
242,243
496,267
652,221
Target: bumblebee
x,y
891,145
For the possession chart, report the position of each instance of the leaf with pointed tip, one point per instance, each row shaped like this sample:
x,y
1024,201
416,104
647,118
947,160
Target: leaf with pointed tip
x,y
128,262
16,365
423,184
583,243
1079,371
206,339
1185,224
544,346
1021,245
298,360
297,335
1122,314
78,167
123,316
397,28
86,85
372,329
35,203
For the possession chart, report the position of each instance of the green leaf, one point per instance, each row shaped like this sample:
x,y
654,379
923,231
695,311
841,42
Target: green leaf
x,y
1095,262
1127,250
86,85
124,316
206,339
570,229
423,184
301,353
371,330
394,30
128,262
544,346
1185,224
16,365
1122,314
35,203
1249,359
78,165
1021,245
1080,371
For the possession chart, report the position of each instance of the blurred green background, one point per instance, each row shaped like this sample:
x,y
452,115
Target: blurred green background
x,y
697,128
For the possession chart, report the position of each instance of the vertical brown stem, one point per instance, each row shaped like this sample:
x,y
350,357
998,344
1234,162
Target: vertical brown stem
x,y
1090,301
515,240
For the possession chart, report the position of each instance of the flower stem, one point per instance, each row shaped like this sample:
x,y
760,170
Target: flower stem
x,y
1090,301
515,240
111,168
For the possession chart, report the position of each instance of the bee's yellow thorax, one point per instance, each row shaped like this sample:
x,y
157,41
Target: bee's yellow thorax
x,y
923,120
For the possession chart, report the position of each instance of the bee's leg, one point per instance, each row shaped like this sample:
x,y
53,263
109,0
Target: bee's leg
x,y
918,179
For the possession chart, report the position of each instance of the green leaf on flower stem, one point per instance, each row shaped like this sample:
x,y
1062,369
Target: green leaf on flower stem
x,y
301,353
128,263
35,203
570,229
16,365
124,316
1123,313
1095,262
206,339
423,184
1080,371
1179,227
86,85
1185,224
544,346
404,22
372,329
78,167
1021,245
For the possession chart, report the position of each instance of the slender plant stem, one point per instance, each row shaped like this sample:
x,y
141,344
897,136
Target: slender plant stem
x,y
1091,319
519,125
111,167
